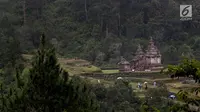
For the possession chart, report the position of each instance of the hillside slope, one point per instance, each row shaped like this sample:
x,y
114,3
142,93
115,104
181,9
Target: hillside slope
x,y
102,31
73,66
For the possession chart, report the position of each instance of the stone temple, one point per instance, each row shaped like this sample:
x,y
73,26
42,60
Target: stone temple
x,y
143,61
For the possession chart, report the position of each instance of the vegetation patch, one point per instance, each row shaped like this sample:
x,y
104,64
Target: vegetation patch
x,y
91,69
73,66
110,71
1,71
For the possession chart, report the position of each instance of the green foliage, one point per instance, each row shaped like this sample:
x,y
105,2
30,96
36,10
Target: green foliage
x,y
110,71
9,51
81,98
117,98
147,108
183,95
91,69
48,88
156,100
89,29
179,108
188,67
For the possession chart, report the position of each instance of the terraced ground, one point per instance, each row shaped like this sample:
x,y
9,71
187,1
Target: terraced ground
x,y
78,66
173,85
73,66
110,71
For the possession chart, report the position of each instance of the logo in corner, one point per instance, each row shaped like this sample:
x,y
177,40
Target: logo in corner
x,y
186,12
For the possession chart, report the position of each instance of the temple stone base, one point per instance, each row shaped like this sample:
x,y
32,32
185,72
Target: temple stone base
x,y
157,68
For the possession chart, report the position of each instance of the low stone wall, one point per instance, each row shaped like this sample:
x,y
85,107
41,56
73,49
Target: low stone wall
x,y
113,68
99,76
116,75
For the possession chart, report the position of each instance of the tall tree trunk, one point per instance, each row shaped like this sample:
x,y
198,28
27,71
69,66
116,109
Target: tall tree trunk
x,y
38,14
101,23
24,11
86,11
106,31
119,25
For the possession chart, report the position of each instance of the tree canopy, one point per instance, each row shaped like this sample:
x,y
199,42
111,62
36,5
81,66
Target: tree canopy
x,y
187,68
102,31
48,88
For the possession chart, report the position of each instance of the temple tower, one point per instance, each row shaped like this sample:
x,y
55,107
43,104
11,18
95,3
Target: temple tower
x,y
151,60
153,56
139,53
138,62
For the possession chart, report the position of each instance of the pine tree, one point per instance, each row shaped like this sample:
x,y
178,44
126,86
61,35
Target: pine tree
x,y
44,78
48,88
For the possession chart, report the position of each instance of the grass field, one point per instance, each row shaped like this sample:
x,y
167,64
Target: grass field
x,y
102,81
73,70
110,71
72,66
173,85
78,66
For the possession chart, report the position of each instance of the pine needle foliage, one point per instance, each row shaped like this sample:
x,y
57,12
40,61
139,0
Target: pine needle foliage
x,y
48,88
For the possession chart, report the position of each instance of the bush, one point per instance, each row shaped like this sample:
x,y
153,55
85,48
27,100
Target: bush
x,y
117,98
158,98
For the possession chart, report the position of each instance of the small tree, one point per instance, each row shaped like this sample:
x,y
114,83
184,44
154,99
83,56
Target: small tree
x,y
185,69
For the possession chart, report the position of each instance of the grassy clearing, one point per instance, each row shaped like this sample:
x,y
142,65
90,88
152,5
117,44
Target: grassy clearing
x,y
91,69
173,90
134,84
78,66
141,80
176,87
146,72
110,71
140,92
172,85
73,66
104,82
74,70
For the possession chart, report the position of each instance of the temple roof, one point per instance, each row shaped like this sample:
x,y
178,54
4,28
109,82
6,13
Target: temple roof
x,y
123,61
139,53
152,50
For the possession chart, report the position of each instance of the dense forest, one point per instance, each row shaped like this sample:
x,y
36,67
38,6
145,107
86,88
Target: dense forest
x,y
101,30
47,87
